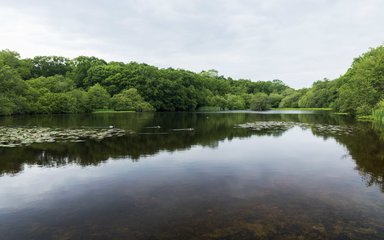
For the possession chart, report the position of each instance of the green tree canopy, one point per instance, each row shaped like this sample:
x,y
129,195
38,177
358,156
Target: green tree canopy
x,y
86,83
363,84
260,102
46,66
130,99
99,98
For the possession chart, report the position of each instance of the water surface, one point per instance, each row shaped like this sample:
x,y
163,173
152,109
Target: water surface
x,y
306,178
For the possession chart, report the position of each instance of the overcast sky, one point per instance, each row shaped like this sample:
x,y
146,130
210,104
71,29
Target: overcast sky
x,y
297,41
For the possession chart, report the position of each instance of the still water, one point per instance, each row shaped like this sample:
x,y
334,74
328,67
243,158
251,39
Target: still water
x,y
313,176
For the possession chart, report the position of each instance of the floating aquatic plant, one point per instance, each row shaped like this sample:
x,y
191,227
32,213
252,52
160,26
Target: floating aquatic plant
x,y
274,125
19,136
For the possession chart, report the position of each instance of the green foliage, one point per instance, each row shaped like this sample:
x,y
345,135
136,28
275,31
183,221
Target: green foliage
x,y
99,98
357,92
57,103
12,59
81,65
217,102
291,98
7,107
130,100
321,95
380,105
112,76
81,104
234,102
275,99
378,112
10,81
212,73
9,58
13,92
260,102
56,84
45,66
356,97
362,86
85,83
161,89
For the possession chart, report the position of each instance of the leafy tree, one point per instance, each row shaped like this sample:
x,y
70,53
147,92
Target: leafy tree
x,y
46,66
12,92
278,86
12,60
7,107
99,98
234,102
130,100
260,102
292,97
275,99
357,97
321,95
81,65
57,103
362,87
212,73
86,83
275,86
9,58
81,100
56,84
218,101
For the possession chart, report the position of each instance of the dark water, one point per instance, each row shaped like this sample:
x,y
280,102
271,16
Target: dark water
x,y
216,182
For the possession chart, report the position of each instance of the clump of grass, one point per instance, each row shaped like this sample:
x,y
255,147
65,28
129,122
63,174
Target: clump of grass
x,y
378,115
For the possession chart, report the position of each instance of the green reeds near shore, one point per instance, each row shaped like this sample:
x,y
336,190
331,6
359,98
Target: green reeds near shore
x,y
378,115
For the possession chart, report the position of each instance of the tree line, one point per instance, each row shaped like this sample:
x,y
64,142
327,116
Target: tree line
x,y
55,84
359,91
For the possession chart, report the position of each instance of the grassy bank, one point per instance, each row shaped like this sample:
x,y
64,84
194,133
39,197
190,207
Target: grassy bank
x,y
109,111
209,109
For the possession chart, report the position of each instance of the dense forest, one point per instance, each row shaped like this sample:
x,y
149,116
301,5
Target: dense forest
x,y
55,84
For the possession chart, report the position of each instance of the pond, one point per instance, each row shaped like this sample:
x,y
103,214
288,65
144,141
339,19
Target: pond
x,y
224,175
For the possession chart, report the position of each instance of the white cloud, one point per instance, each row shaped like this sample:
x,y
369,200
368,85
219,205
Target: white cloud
x,y
298,41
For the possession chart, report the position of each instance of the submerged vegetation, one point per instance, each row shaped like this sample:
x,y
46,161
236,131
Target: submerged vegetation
x,y
54,84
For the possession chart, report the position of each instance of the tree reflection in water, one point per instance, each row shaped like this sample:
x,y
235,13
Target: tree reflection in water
x,y
228,195
365,145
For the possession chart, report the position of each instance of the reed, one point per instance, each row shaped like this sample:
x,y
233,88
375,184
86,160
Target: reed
x,y
378,115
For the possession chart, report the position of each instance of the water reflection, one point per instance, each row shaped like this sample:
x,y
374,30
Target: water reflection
x,y
209,130
216,182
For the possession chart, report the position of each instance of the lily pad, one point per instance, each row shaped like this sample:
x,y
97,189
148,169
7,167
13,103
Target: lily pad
x,y
21,136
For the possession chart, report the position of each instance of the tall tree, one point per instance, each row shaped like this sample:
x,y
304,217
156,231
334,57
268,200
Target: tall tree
x,y
99,98
50,65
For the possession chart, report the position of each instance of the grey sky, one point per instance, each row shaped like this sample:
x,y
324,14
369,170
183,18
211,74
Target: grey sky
x,y
296,41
